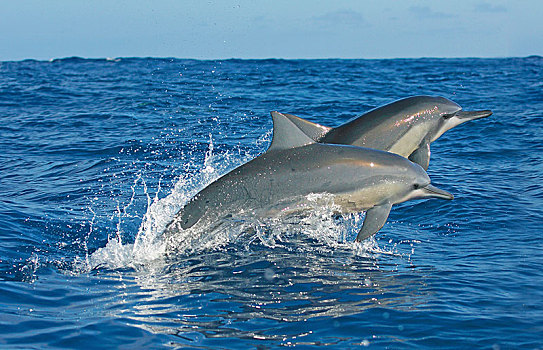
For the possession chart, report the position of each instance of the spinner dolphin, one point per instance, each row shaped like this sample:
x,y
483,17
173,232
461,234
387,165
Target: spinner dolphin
x,y
405,127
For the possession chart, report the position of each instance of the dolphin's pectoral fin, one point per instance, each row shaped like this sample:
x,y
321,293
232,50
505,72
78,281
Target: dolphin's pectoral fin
x,y
374,220
421,155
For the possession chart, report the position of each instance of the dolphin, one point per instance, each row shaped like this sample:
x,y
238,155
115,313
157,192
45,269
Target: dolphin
x,y
405,127
295,166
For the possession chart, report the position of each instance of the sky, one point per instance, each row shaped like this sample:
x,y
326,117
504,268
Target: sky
x,y
37,29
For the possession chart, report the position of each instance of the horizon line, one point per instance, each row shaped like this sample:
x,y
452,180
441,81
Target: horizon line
x,y
117,58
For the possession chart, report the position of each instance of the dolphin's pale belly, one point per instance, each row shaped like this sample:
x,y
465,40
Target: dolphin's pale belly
x,y
295,206
410,141
245,208
364,198
243,204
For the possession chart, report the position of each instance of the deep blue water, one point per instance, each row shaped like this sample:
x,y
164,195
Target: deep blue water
x,y
98,155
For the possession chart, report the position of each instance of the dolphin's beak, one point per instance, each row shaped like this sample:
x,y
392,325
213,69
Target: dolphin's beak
x,y
472,115
431,191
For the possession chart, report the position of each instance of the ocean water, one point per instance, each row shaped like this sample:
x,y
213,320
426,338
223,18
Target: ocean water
x,y
98,155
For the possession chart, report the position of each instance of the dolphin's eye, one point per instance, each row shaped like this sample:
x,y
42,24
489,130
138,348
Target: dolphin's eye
x,y
447,116
416,186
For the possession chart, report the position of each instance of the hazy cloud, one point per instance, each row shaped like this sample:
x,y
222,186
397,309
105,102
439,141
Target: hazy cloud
x,y
425,12
341,17
489,8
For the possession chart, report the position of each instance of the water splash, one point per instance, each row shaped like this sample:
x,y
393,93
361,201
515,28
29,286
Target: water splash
x,y
149,244
319,228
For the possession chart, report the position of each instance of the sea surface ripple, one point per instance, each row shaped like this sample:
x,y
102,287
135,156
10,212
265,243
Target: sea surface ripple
x,y
99,154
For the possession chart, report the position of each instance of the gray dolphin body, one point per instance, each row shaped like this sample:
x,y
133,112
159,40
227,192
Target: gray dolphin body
x,y
295,166
405,127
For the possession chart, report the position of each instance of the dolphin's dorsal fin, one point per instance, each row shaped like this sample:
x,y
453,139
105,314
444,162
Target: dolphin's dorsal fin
x,y
286,134
313,130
